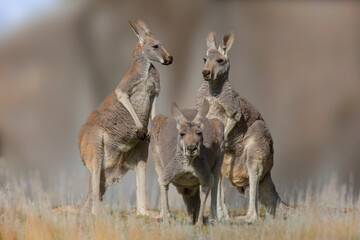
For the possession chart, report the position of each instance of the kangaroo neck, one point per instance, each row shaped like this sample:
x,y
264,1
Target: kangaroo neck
x,y
216,86
139,63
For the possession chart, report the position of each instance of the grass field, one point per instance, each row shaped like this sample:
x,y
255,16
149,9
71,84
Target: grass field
x,y
330,214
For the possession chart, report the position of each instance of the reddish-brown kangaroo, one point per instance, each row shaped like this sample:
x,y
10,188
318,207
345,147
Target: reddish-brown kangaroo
x,y
112,140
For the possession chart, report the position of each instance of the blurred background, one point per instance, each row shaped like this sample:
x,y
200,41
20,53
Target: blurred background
x,y
298,62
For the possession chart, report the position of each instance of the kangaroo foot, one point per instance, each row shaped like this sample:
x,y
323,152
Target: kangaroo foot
x,y
246,219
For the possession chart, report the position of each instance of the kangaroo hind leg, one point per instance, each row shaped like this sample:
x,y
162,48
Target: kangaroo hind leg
x,y
192,202
97,174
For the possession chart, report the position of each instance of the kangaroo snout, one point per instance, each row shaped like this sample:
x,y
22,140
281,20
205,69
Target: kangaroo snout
x,y
168,60
191,147
206,74
191,151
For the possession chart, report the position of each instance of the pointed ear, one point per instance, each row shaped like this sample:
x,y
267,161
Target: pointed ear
x,y
227,43
140,33
144,26
211,40
204,109
176,113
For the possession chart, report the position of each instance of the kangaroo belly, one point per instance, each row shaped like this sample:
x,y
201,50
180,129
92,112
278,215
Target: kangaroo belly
x,y
186,180
235,170
117,122
141,102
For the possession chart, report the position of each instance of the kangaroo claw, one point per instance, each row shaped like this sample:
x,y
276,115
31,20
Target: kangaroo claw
x,y
148,136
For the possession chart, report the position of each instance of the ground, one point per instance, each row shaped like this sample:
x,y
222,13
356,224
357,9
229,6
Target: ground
x,y
30,220
330,212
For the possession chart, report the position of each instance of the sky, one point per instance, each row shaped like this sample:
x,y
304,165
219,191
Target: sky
x,y
14,13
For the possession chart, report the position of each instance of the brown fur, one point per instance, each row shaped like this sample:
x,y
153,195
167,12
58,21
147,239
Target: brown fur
x,y
248,156
111,140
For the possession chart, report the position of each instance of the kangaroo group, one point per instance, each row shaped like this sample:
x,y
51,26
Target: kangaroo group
x,y
192,149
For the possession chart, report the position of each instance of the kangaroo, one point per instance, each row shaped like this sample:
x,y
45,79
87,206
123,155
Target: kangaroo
x,y
248,156
187,149
112,139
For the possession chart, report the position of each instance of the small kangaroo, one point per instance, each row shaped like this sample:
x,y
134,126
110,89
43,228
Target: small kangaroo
x,y
111,140
187,149
248,156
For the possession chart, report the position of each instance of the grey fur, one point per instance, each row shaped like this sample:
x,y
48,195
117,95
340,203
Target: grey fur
x,y
195,172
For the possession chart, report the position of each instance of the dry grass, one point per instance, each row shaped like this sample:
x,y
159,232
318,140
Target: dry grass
x,y
327,215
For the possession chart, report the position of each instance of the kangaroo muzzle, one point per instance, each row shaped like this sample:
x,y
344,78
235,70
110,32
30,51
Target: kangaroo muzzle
x,y
168,60
192,150
207,74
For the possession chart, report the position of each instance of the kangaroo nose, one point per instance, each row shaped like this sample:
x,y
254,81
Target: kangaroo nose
x,y
191,147
206,73
168,60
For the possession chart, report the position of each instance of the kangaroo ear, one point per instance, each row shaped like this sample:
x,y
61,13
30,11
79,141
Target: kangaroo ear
x,y
227,43
211,40
204,109
176,113
140,33
144,26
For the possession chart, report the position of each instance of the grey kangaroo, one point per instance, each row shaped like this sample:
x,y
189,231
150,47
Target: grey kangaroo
x,y
112,139
187,149
248,157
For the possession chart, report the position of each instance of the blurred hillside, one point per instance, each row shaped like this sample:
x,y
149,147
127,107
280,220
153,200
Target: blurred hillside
x,y
298,62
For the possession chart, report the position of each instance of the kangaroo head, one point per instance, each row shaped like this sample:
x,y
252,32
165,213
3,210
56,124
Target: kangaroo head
x,y
216,60
152,49
190,133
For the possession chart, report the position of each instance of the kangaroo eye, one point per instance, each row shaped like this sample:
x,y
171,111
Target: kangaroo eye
x,y
204,60
156,46
220,60
199,133
182,134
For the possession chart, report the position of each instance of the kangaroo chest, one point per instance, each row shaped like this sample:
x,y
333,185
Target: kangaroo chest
x,y
184,174
142,93
216,109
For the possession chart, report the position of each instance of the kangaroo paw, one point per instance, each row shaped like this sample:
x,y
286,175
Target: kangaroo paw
x,y
141,134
